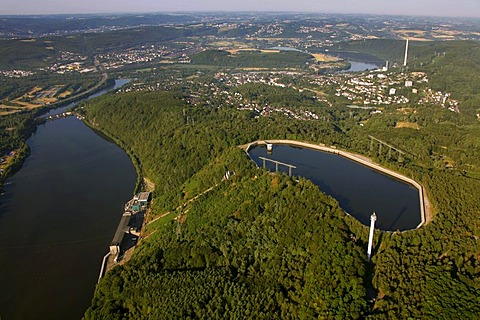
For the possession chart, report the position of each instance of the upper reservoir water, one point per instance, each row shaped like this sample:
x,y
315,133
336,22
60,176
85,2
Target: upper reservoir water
x,y
58,215
359,190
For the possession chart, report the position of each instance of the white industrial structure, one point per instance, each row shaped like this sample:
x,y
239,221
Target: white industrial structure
x,y
406,54
385,68
373,218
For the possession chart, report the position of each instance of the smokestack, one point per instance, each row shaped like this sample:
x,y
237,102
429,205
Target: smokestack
x,y
373,218
406,54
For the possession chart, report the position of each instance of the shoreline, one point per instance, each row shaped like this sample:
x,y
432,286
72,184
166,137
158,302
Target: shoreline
x,y
426,213
17,164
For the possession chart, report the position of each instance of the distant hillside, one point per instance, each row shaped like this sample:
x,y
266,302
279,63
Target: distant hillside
x,y
252,59
453,66
32,26
33,53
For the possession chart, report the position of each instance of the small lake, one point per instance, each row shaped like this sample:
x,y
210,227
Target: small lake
x,y
57,217
286,49
359,190
358,61
357,66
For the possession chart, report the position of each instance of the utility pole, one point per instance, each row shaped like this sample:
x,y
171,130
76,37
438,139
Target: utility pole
x,y
373,218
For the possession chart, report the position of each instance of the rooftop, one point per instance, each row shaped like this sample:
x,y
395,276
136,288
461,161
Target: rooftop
x,y
143,196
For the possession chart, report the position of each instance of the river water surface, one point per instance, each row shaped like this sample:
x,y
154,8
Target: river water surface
x,y
57,217
359,190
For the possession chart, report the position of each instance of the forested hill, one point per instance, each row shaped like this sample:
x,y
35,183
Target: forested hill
x,y
173,140
252,247
266,246
253,59
42,52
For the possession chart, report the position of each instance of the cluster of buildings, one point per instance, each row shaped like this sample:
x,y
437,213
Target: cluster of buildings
x,y
70,56
217,93
268,30
372,90
267,111
16,73
71,62
77,66
144,54
310,29
270,78
376,88
440,98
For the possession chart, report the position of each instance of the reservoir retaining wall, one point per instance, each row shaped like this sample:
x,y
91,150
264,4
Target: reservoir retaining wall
x,y
357,158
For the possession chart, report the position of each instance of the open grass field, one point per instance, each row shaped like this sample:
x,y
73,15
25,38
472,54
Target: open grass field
x,y
236,51
231,44
321,57
407,110
409,125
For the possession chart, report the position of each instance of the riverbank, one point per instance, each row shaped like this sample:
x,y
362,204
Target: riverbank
x,y
22,152
141,181
65,201
425,208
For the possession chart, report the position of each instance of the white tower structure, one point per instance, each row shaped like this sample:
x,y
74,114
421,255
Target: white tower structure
x,y
373,218
406,54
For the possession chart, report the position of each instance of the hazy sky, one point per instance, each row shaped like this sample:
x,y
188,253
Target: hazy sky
x,y
470,8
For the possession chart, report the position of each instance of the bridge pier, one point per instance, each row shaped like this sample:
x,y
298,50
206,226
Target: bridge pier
x,y
289,166
391,149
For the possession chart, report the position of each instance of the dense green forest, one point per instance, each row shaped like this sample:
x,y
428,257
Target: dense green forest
x,y
276,96
252,59
241,251
188,136
247,236
14,130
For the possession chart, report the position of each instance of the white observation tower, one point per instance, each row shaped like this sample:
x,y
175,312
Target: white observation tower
x,y
373,218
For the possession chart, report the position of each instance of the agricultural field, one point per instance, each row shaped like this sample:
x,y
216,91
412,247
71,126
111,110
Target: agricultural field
x,y
321,57
37,97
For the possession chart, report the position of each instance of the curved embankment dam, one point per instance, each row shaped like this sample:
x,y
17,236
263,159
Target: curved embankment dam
x,y
424,203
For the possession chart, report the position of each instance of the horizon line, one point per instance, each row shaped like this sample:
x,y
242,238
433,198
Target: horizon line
x,y
229,12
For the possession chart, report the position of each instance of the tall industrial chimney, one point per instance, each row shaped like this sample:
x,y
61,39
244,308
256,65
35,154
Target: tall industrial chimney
x,y
373,218
406,54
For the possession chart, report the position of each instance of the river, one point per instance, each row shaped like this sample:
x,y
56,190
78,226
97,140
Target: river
x,y
57,217
359,190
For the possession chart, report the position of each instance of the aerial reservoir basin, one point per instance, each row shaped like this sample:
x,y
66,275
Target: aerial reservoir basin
x,y
359,189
